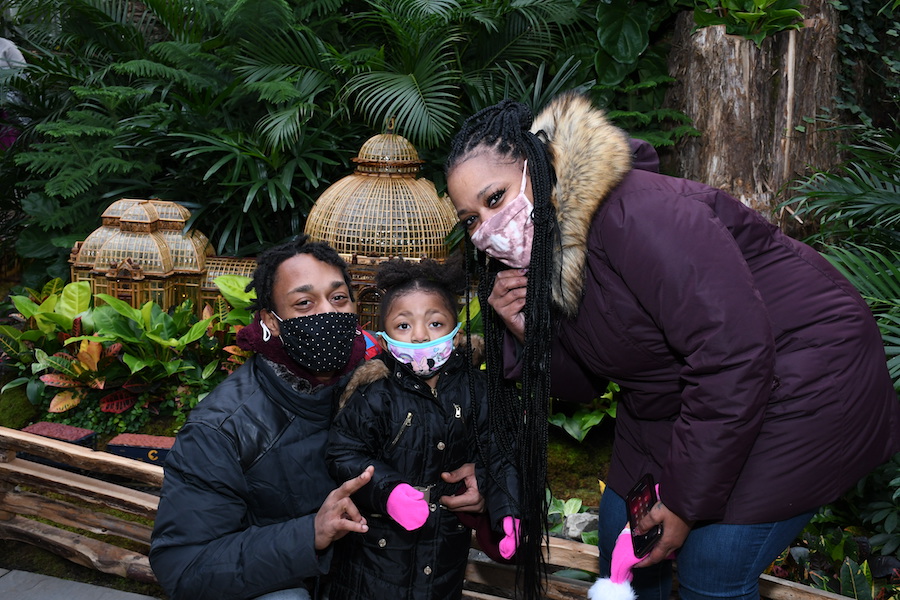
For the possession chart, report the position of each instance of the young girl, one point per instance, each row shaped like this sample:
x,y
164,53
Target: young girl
x,y
414,413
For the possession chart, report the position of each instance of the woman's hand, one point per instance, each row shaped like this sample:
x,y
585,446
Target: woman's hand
x,y
471,499
675,530
508,300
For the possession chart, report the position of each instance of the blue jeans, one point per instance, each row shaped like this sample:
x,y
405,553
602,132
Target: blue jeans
x,y
716,561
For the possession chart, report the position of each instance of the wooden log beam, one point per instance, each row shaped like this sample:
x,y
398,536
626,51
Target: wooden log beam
x,y
84,458
570,554
775,588
490,573
79,549
88,489
64,513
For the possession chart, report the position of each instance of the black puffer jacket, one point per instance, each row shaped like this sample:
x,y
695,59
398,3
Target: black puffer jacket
x,y
394,422
240,522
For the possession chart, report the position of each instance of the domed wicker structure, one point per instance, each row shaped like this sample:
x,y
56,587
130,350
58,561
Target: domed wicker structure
x,y
141,253
381,211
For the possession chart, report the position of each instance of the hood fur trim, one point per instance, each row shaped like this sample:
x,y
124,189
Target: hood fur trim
x,y
375,369
366,373
591,157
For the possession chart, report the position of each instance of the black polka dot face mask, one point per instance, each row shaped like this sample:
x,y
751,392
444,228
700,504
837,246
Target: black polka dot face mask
x,y
319,343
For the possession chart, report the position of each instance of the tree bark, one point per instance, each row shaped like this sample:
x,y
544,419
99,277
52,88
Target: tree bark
x,y
756,108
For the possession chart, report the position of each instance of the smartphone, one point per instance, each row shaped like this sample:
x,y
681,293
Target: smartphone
x,y
639,501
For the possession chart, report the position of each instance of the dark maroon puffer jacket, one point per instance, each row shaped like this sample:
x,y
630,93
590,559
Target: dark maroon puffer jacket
x,y
753,376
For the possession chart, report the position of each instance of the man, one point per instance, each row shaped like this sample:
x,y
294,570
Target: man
x,y
248,509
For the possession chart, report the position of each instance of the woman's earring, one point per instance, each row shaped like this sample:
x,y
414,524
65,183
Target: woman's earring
x,y
266,334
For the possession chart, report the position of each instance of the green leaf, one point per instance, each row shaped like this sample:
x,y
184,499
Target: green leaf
x,y
854,580
123,308
232,288
209,369
113,327
572,506
134,363
14,384
25,306
623,30
75,299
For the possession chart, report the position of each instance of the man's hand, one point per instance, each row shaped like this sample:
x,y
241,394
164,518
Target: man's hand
x,y
338,516
508,300
470,500
675,530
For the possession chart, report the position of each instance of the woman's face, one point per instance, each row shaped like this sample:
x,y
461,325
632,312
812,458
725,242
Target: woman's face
x,y
482,184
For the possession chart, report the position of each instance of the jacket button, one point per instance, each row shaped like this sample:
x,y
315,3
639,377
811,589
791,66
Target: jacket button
x,y
382,543
441,445
427,570
432,507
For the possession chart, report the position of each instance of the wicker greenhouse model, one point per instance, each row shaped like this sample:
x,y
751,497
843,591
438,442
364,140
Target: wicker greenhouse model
x,y
142,253
381,211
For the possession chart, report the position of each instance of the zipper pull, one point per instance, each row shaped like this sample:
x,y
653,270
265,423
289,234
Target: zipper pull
x,y
458,411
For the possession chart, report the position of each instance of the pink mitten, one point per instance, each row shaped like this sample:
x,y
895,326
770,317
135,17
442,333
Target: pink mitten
x,y
407,506
510,541
618,586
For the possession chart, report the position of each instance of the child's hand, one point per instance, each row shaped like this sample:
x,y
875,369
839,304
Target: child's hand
x,y
510,541
407,506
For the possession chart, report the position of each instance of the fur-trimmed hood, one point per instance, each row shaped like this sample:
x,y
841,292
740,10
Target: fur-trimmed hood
x,y
375,369
590,156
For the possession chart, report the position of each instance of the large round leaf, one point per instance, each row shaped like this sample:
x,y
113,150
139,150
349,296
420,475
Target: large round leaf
x,y
623,29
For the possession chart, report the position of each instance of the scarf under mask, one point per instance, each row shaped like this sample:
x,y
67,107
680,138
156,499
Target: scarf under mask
x,y
424,359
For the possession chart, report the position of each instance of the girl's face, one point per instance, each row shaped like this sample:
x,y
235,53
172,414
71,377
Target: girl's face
x,y
480,185
418,317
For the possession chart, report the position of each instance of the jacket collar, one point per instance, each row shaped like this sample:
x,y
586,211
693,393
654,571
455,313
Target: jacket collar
x,y
295,394
591,157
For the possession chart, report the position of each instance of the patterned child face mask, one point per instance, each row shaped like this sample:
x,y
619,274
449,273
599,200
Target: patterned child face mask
x,y
424,359
508,234
319,343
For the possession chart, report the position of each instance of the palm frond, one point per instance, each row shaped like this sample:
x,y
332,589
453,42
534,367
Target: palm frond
x,y
185,20
425,108
875,273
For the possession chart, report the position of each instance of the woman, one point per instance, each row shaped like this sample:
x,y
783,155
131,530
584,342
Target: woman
x,y
754,383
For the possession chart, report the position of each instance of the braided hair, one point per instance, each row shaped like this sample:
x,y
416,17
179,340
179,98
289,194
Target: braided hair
x,y
267,264
518,416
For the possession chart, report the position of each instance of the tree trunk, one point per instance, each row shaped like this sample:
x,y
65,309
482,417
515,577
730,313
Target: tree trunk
x,y
755,108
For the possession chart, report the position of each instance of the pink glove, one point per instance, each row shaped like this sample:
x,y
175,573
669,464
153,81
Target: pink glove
x,y
511,528
617,586
407,506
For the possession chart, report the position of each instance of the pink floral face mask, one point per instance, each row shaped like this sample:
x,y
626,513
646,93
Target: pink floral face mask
x,y
508,234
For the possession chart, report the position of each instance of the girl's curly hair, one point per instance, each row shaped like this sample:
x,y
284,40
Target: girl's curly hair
x,y
398,277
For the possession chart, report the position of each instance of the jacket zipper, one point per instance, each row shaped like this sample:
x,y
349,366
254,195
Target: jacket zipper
x,y
406,423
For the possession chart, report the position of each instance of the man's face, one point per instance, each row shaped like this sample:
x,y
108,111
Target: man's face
x,y
305,286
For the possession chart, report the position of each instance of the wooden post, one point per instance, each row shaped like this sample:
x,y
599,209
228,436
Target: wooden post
x,y
754,106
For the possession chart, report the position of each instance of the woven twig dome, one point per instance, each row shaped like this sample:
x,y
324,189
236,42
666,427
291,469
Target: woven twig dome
x,y
148,232
382,209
